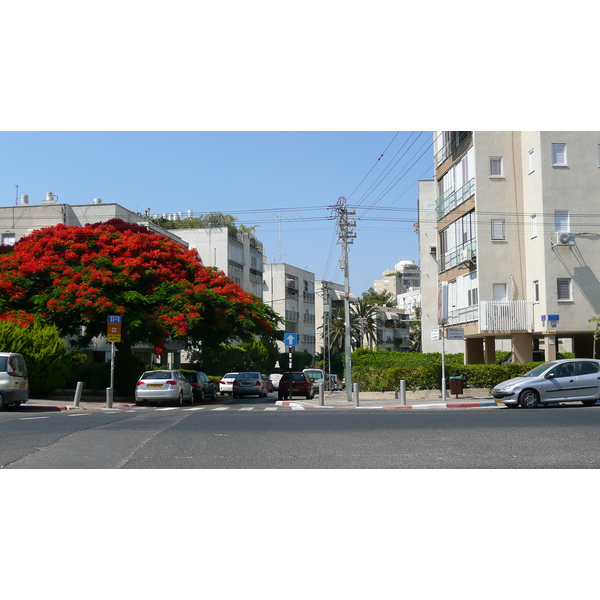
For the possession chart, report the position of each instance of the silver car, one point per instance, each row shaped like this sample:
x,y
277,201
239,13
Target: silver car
x,y
163,386
568,380
14,383
249,383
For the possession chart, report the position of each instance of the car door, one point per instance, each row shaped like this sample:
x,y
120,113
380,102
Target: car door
x,y
588,380
560,383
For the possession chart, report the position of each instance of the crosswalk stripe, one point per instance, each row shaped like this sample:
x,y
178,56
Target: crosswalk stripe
x,y
168,408
271,408
221,408
248,408
196,408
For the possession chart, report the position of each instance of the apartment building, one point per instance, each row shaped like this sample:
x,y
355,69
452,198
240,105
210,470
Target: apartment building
x,y
393,329
517,240
401,278
290,291
237,253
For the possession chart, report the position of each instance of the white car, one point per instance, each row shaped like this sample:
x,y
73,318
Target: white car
x,y
163,386
316,376
275,377
226,383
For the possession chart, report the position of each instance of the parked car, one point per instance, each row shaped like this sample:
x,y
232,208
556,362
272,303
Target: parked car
x,y
14,382
249,383
317,376
301,385
268,382
202,386
226,384
275,377
334,384
566,380
163,386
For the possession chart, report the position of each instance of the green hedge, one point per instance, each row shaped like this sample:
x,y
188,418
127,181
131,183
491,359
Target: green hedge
x,y
43,348
379,371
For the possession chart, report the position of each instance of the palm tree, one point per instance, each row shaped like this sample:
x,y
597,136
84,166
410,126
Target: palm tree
x,y
367,320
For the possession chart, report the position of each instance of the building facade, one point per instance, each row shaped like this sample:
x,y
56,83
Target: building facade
x,y
290,291
237,253
404,276
516,242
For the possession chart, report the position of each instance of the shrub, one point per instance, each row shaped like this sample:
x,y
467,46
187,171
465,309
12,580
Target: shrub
x,y
43,348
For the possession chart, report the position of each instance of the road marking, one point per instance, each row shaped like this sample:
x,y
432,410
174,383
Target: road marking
x,y
196,408
271,408
297,407
221,408
78,415
169,408
248,408
30,418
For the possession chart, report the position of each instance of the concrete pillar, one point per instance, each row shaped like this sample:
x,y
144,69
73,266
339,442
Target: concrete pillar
x,y
490,350
550,342
583,346
522,347
473,351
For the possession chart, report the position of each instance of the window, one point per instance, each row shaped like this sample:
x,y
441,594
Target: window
x,y
496,166
500,291
536,291
559,155
533,225
8,239
498,228
561,221
563,289
531,156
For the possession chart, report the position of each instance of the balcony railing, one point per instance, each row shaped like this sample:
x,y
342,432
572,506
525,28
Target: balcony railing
x,y
466,314
516,315
450,199
454,257
457,137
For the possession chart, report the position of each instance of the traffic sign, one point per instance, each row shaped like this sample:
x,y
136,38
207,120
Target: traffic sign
x,y
290,339
113,326
436,334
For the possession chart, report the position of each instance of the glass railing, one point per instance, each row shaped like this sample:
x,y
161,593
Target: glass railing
x,y
450,199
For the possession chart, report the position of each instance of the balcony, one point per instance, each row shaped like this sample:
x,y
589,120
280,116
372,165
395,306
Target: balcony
x,y
454,258
495,315
450,199
456,139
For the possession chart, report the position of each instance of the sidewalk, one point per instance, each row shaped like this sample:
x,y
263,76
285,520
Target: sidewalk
x,y
471,398
425,399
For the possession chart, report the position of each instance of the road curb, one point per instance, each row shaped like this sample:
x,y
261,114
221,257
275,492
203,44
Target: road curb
x,y
436,406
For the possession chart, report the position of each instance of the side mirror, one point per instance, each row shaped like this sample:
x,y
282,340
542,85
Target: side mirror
x,y
550,376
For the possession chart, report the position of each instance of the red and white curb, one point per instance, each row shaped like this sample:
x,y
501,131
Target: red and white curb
x,y
436,406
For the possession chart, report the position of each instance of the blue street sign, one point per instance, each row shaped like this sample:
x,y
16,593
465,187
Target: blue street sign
x,y
290,339
115,319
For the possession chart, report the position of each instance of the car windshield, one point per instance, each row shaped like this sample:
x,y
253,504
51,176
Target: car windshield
x,y
537,371
229,376
157,375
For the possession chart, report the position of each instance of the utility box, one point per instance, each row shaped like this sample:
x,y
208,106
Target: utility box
x,y
456,385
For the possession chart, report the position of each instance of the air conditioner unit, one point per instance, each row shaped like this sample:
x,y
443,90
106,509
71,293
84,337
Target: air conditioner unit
x,y
563,238
466,256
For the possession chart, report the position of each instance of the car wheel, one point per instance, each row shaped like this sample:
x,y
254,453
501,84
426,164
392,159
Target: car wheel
x,y
2,403
529,399
181,398
202,396
589,402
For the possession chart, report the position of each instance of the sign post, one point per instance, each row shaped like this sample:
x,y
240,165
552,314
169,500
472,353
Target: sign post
x,y
291,340
113,335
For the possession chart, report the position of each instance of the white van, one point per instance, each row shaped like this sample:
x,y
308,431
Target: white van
x,y
14,384
316,376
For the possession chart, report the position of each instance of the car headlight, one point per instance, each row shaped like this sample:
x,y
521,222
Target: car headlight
x,y
507,388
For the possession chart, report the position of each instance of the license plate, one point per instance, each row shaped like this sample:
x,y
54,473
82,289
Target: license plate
x,y
155,385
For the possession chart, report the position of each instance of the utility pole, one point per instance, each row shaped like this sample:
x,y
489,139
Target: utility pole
x,y
345,237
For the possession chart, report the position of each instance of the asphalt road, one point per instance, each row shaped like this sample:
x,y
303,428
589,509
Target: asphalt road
x,y
258,435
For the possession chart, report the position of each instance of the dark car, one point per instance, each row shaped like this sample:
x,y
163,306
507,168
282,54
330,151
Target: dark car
x,y
301,385
202,386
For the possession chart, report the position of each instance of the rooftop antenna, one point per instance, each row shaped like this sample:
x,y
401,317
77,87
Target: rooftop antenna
x,y
279,246
17,197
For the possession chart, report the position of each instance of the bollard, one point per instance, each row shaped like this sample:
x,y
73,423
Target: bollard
x,y
403,392
78,391
355,386
109,397
321,395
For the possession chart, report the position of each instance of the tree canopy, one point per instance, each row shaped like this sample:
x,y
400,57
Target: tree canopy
x,y
75,277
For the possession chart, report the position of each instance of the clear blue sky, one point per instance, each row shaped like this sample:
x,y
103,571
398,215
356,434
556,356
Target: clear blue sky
x,y
282,182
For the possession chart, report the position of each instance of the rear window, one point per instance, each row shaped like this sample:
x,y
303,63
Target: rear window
x,y
3,363
157,375
248,376
296,376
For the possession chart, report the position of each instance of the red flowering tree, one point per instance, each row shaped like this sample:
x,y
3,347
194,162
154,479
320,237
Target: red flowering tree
x,y
74,277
